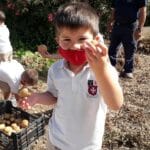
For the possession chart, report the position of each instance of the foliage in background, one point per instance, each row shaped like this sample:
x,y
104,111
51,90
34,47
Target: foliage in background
x,y
34,61
147,23
30,21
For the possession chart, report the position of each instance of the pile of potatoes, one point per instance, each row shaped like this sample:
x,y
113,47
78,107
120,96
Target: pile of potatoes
x,y
10,124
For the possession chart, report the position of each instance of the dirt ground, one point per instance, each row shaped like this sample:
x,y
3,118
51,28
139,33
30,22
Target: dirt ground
x,y
129,128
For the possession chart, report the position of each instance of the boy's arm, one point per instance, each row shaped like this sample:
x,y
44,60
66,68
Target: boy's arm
x,y
109,86
45,98
106,77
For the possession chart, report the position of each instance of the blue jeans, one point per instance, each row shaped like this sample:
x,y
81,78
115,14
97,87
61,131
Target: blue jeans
x,y
123,34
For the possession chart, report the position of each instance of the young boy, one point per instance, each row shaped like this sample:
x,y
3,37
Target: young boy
x,y
12,75
82,85
5,45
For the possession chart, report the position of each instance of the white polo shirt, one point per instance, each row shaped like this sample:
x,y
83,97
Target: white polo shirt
x,y
78,119
5,45
10,72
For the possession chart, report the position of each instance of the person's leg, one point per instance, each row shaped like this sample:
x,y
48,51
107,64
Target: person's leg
x,y
115,41
129,45
5,89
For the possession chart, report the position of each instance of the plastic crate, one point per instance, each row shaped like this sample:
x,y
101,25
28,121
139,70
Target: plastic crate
x,y
47,115
22,139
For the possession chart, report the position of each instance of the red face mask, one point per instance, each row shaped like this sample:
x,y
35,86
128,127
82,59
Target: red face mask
x,y
75,57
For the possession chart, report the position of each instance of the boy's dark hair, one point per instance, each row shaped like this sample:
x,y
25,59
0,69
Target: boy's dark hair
x,y
30,76
2,16
75,15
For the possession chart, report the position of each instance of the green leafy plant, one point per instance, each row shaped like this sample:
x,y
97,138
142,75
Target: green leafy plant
x,y
31,21
34,61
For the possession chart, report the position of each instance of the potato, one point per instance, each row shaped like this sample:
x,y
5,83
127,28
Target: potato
x,y
15,127
24,123
2,126
24,92
8,130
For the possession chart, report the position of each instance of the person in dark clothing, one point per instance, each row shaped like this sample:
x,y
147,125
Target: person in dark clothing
x,y
125,24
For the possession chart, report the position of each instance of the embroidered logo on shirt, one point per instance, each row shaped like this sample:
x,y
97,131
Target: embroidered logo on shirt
x,y
92,87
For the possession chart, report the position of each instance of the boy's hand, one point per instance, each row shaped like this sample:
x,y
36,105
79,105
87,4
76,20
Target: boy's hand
x,y
24,104
27,102
97,55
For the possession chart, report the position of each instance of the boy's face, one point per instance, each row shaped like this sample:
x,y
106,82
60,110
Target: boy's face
x,y
72,39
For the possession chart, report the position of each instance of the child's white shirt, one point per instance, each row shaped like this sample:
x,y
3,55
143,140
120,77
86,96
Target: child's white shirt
x,y
5,44
78,119
10,72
